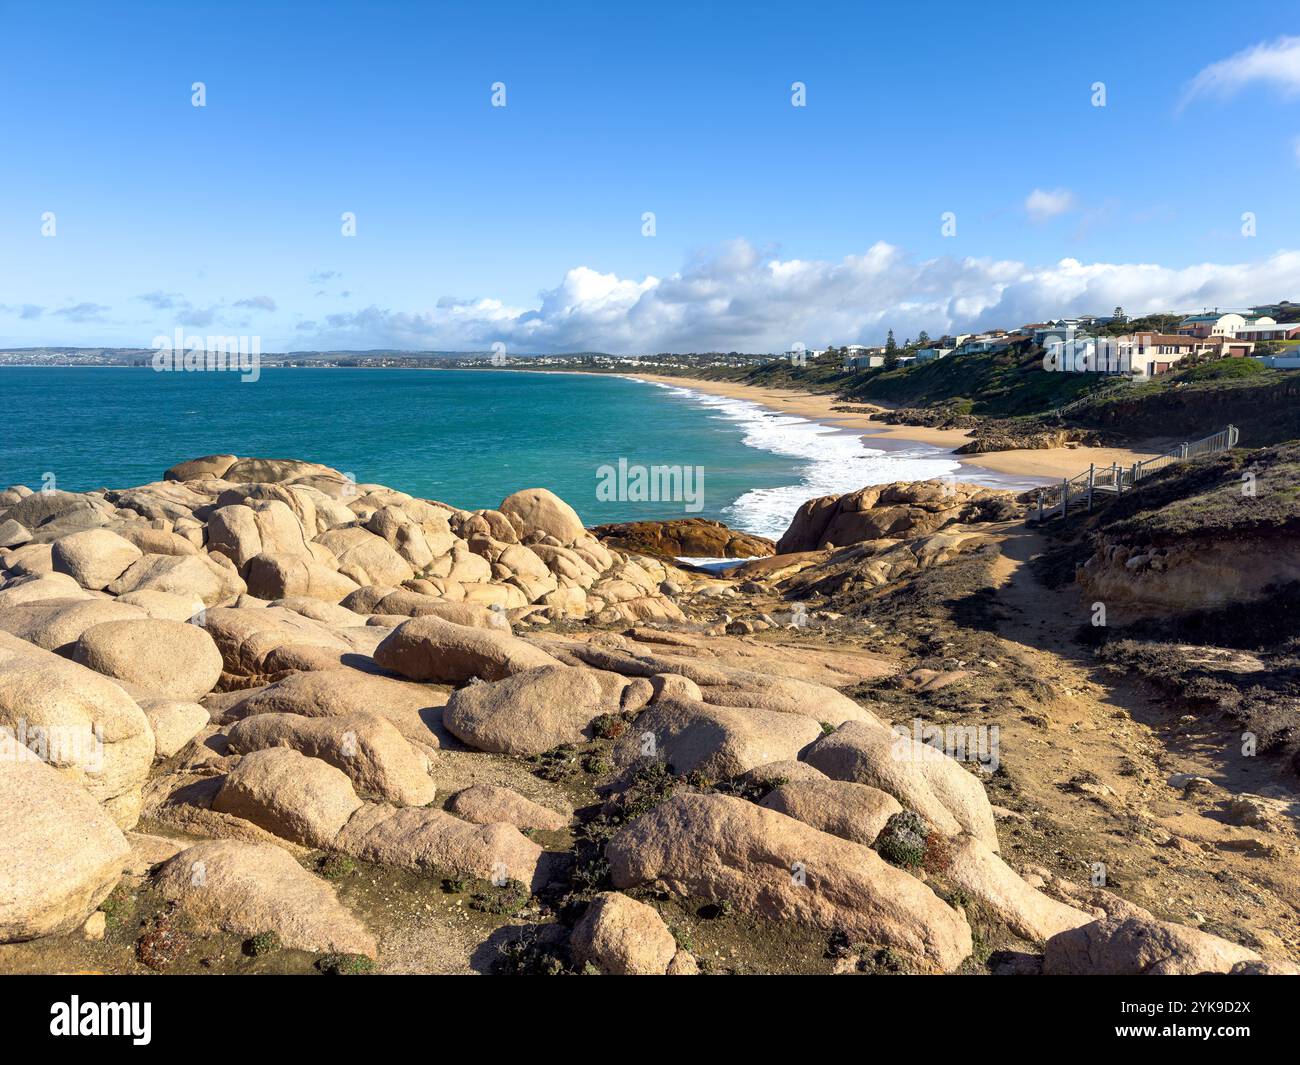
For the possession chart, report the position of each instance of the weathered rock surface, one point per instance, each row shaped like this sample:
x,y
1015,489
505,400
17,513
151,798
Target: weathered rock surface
x,y
256,644
486,804
94,558
57,624
856,812
530,712
433,841
683,537
194,576
1026,911
83,724
301,799
61,852
197,469
919,776
171,658
431,649
623,937
536,511
720,848
250,888
174,722
1136,947
374,755
415,710
717,742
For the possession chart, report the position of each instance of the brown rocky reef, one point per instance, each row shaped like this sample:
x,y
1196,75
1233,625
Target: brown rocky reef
x,y
688,537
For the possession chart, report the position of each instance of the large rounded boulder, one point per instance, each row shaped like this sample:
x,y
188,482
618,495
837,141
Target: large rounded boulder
x,y
537,512
169,658
61,853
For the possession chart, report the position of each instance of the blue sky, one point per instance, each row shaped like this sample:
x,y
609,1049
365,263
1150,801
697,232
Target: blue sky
x,y
523,224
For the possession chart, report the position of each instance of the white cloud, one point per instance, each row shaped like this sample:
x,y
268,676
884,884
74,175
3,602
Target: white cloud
x,y
256,303
1044,204
735,299
83,312
1276,64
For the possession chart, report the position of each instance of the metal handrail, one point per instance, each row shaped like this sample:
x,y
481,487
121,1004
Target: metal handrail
x,y
1090,398
1116,479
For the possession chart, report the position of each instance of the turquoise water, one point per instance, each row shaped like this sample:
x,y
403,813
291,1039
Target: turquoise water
x,y
467,437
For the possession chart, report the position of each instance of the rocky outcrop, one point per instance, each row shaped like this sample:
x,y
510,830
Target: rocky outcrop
x,y
487,804
1185,575
770,865
61,854
1135,946
689,537
530,712
251,888
277,658
429,648
893,511
82,723
921,777
220,527
994,435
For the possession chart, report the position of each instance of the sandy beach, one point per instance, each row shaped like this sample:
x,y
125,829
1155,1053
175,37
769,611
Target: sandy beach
x,y
1048,464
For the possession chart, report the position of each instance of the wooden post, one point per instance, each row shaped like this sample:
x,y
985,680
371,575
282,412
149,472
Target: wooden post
x,y
1040,506
1092,473
1116,479
1065,497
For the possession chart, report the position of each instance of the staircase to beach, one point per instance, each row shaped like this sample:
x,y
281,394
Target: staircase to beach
x,y
1098,484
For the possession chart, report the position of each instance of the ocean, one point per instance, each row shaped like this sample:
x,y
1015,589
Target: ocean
x,y
466,437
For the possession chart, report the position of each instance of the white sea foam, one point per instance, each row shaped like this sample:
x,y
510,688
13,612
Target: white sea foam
x,y
832,461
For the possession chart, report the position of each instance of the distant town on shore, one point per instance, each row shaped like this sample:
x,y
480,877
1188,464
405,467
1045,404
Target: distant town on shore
x,y
1142,347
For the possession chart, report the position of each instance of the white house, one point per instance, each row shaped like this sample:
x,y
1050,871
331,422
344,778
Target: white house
x,y
985,343
1141,355
1215,323
1267,329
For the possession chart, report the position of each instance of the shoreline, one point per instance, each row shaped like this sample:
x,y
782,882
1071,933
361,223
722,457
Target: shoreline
x,y
1045,465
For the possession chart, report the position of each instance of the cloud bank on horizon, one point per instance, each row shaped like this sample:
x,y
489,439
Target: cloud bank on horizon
x,y
734,298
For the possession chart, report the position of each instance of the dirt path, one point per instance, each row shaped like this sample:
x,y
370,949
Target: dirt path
x,y
1092,772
